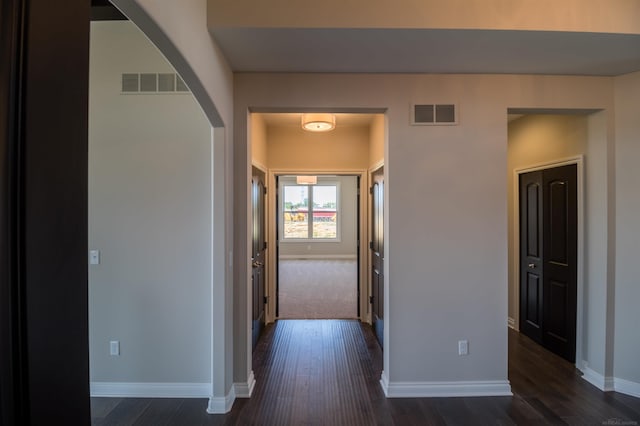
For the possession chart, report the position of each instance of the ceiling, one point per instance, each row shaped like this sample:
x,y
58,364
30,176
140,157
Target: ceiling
x,y
428,51
345,50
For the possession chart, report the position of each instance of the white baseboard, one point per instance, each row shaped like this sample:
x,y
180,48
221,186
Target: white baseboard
x,y
627,387
318,256
445,389
511,323
221,404
150,390
609,384
603,383
384,382
244,390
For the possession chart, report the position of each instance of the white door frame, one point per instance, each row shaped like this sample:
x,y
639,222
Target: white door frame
x,y
272,217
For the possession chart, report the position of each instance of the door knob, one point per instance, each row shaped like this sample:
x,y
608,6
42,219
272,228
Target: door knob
x,y
532,265
257,264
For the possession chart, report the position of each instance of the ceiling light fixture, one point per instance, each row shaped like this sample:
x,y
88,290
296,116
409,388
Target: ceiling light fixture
x,y
318,122
306,180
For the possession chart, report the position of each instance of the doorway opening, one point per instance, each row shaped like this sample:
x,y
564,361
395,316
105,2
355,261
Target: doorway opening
x,y
317,236
318,232
546,236
548,257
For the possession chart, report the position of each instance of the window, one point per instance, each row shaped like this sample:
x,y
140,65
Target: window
x,y
310,212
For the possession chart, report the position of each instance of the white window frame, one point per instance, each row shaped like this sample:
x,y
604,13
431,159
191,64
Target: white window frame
x,y
310,239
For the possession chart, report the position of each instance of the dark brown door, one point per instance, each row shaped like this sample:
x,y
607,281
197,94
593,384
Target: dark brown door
x,y
44,333
548,258
258,254
377,255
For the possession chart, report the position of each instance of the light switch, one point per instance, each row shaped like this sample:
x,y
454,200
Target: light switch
x,y
463,347
114,348
94,257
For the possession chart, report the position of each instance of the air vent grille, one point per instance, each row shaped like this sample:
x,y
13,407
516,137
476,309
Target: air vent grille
x,y
148,83
130,83
434,114
166,82
180,84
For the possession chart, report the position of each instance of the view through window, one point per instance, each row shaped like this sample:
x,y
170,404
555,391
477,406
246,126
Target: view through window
x,y
310,212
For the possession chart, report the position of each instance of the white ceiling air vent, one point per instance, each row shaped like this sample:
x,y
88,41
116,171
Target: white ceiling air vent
x,y
130,83
166,82
180,84
148,83
434,115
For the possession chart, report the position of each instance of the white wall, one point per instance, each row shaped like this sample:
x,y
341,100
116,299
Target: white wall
x,y
179,30
534,140
377,138
423,159
344,148
150,216
600,250
347,222
259,141
446,219
627,290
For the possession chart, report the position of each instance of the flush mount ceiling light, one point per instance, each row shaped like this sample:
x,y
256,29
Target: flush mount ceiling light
x,y
318,122
306,180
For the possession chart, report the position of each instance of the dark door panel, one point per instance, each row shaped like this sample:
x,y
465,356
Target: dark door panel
x,y
377,255
531,272
548,258
258,254
532,315
560,242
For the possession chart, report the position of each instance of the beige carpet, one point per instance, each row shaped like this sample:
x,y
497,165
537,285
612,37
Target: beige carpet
x,y
317,289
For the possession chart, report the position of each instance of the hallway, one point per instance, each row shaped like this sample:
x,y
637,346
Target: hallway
x,y
326,372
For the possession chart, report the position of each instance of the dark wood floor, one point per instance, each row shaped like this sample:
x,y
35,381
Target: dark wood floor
x,y
326,372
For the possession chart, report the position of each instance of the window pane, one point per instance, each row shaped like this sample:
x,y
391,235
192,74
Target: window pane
x,y
296,211
325,217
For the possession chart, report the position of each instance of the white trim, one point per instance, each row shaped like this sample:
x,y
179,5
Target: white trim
x,y
605,384
446,389
150,390
311,188
511,323
221,404
319,256
627,387
264,169
384,382
271,220
609,384
244,390
578,160
376,166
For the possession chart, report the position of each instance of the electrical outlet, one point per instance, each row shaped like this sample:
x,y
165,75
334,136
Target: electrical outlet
x,y
463,347
114,348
